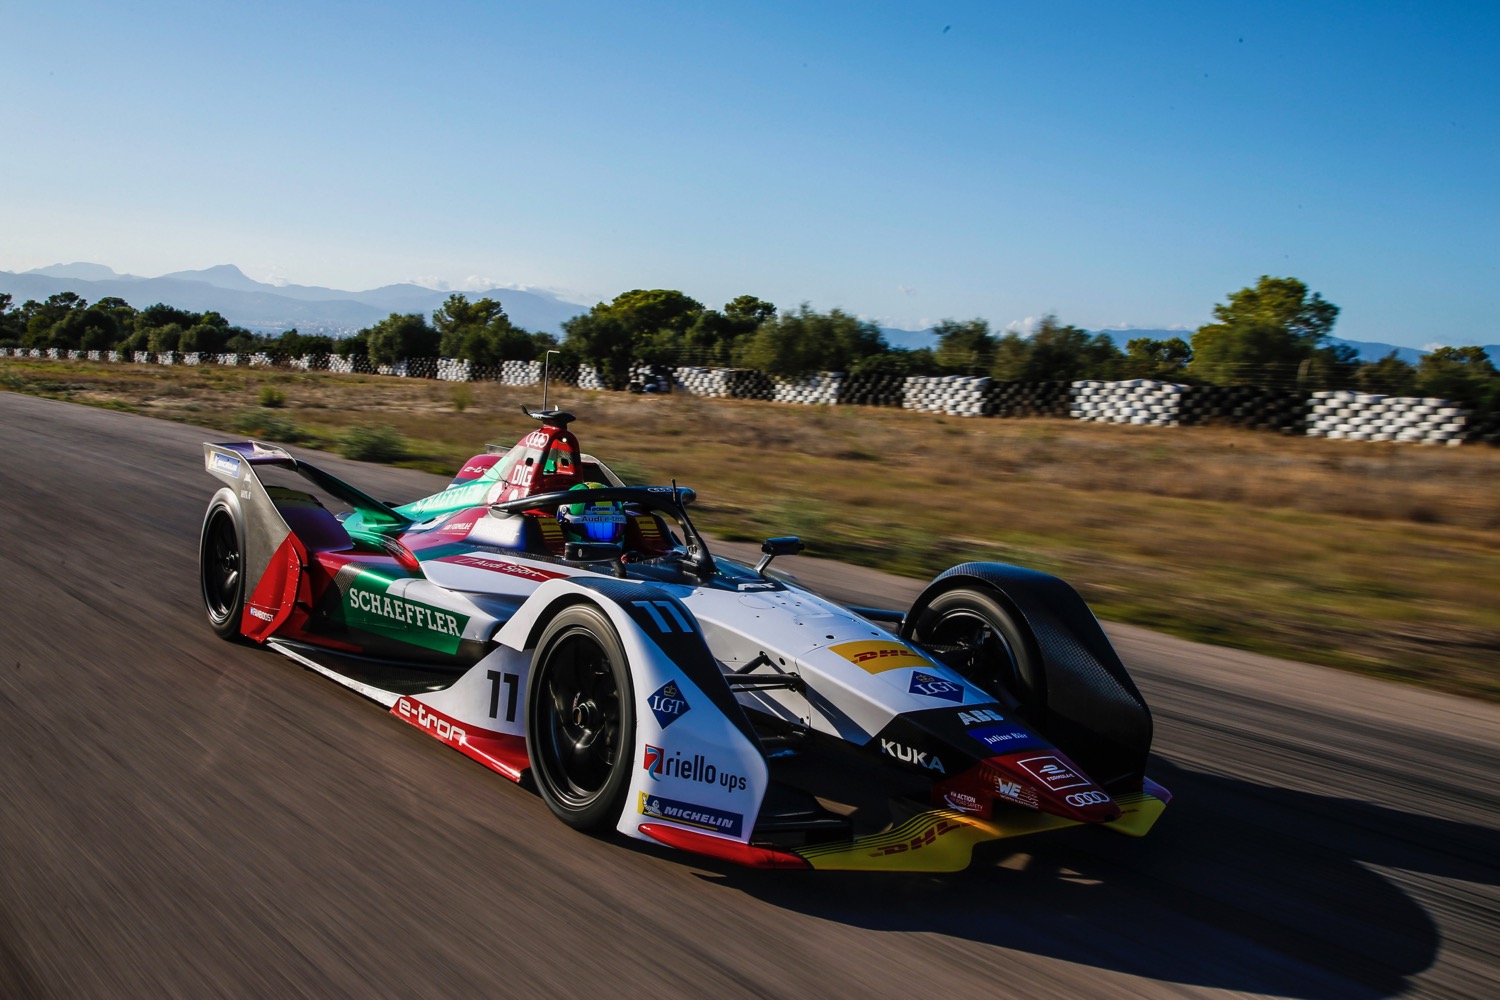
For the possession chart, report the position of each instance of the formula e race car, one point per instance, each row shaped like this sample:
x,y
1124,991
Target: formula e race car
x,y
561,627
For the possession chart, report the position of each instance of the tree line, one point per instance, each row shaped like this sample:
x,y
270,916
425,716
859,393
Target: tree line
x,y
1274,333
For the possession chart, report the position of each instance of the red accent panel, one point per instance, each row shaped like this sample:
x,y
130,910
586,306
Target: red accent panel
x,y
502,566
724,850
275,593
500,752
1061,787
474,468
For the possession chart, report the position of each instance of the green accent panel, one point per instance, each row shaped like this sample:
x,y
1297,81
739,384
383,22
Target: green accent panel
x,y
368,607
448,501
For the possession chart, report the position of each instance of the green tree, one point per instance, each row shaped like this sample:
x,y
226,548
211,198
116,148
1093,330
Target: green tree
x,y
1065,353
458,320
1163,359
1389,376
44,319
920,361
611,336
807,341
749,311
1012,357
1265,334
356,343
161,339
1463,375
93,329
161,314
11,324
965,347
401,336
714,335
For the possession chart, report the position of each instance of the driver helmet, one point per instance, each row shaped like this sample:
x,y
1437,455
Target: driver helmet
x,y
599,521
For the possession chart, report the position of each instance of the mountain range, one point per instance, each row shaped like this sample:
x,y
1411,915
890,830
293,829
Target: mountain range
x,y
267,308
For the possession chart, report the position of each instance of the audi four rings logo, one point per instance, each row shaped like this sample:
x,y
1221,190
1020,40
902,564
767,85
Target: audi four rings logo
x,y
1087,799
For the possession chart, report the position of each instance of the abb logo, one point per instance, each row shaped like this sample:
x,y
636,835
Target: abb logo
x,y
929,836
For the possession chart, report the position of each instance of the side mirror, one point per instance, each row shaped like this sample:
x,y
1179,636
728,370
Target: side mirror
x,y
788,545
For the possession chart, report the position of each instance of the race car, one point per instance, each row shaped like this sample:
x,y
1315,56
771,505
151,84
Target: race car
x,y
575,633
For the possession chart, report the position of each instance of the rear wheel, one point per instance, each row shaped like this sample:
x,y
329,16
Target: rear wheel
x,y
974,632
580,719
221,566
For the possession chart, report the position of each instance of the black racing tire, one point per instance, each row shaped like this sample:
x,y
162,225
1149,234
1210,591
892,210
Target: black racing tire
x,y
580,719
221,566
976,632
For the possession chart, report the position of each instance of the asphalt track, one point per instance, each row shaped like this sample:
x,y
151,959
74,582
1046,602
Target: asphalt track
x,y
181,817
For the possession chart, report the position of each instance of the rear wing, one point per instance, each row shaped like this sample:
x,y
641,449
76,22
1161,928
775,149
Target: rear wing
x,y
234,461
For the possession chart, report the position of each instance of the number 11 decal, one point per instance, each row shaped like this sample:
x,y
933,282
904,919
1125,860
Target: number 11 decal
x,y
511,682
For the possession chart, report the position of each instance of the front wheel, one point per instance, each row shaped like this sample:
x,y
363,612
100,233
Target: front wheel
x,y
975,633
221,566
580,719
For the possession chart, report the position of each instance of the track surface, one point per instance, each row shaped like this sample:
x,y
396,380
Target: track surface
x,y
181,817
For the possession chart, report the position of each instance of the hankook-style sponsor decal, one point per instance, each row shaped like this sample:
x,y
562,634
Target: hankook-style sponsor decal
x,y
672,764
879,655
1005,738
935,687
1053,772
668,704
227,464
503,566
689,814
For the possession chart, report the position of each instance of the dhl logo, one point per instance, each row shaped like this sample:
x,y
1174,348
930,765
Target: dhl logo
x,y
921,840
876,655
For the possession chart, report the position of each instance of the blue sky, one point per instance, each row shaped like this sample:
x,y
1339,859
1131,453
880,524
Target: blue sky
x,y
1115,163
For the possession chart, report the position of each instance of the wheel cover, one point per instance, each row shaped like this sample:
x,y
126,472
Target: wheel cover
x,y
221,566
970,643
582,736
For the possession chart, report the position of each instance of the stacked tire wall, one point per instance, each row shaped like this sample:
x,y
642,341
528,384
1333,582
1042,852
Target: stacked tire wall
x,y
1364,417
1340,415
1247,406
1142,401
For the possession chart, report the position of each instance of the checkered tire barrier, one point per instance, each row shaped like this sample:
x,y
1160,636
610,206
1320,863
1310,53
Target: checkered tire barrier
x,y
1334,415
1354,416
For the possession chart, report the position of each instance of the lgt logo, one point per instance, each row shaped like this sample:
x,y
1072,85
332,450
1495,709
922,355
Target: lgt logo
x,y
668,704
935,687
